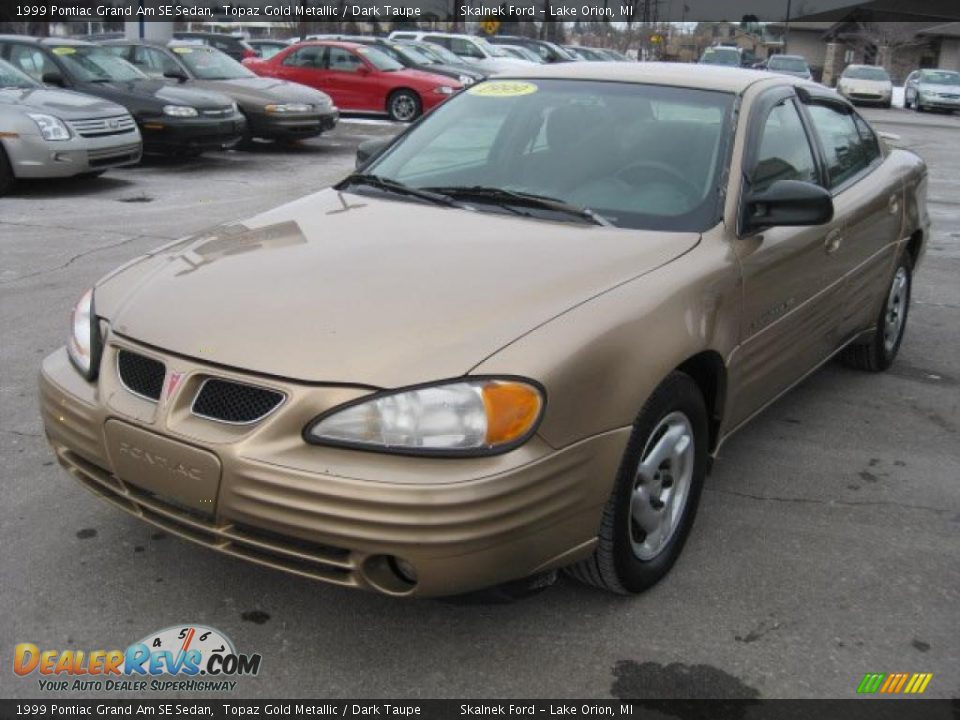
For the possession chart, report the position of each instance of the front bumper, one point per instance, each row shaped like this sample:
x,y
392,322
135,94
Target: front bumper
x,y
291,125
201,133
868,98
33,157
329,514
940,103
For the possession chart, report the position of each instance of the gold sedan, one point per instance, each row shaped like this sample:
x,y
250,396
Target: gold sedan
x,y
510,343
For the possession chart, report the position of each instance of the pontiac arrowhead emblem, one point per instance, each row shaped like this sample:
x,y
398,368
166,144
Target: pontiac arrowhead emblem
x,y
173,382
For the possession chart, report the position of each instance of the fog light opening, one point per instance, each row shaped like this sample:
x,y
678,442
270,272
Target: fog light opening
x,y
404,569
390,574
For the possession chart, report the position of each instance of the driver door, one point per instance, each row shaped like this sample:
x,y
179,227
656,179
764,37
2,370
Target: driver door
x,y
791,282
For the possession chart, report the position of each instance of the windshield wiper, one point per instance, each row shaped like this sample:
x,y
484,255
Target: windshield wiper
x,y
394,186
506,198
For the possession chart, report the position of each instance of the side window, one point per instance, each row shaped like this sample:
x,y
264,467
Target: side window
x,y
305,57
342,60
784,151
465,48
871,146
32,61
439,40
843,147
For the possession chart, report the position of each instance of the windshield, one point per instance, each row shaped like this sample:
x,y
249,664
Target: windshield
x,y
95,64
209,64
720,56
866,73
379,59
268,50
940,77
10,77
640,156
787,63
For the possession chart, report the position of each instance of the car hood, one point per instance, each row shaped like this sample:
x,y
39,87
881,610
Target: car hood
x,y
453,70
263,90
62,103
868,85
159,91
424,76
339,287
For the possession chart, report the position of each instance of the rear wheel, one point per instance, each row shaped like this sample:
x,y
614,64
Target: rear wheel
x,y
6,173
403,106
879,353
654,501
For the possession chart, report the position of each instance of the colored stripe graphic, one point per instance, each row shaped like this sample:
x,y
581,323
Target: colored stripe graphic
x,y
894,683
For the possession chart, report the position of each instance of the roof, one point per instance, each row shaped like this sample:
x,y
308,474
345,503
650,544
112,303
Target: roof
x,y
47,40
705,77
331,43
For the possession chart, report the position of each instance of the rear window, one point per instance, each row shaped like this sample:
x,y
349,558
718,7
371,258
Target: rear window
x,y
787,63
721,56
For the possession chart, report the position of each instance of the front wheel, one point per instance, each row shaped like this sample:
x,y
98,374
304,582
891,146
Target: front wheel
x,y
403,106
654,501
879,353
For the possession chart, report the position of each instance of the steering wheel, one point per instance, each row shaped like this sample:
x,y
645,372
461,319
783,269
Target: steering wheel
x,y
644,171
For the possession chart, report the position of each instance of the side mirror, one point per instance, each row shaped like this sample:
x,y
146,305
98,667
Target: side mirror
x,y
369,149
53,78
788,203
175,74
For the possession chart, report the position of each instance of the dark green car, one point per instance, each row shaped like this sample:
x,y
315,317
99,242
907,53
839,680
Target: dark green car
x,y
274,109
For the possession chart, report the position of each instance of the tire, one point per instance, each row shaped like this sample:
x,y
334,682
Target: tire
x,y
879,352
404,106
92,174
6,173
628,559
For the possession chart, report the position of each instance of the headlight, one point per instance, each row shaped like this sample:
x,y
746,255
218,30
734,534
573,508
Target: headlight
x,y
84,345
469,417
289,108
180,111
51,128
444,90
465,80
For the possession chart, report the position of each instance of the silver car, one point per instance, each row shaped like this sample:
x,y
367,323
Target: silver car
x,y
866,85
51,133
932,90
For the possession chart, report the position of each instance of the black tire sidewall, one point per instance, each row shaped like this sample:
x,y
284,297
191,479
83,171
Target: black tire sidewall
x,y
678,393
7,178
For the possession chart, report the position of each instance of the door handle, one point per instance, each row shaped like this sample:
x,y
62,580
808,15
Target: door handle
x,y
833,242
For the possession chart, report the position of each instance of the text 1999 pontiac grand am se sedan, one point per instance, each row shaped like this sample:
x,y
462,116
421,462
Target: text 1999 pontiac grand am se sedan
x,y
510,343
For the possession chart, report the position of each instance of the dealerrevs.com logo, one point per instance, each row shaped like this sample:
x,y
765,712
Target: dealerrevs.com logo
x,y
178,658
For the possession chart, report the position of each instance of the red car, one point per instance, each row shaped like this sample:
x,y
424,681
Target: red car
x,y
359,78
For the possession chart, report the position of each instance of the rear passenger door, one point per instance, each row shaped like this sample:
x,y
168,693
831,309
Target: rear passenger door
x,y
791,284
869,201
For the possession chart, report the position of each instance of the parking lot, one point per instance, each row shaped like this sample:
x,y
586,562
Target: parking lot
x,y
827,544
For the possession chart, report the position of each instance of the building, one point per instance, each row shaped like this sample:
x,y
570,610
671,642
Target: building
x,y
867,35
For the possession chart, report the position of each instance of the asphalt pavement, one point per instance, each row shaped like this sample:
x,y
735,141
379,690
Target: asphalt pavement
x,y
827,544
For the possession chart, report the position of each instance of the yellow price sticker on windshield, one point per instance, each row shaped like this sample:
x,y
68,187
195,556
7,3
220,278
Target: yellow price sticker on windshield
x,y
64,51
503,88
182,50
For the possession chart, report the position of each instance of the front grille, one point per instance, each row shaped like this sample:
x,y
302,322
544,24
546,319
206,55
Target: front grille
x,y
235,403
140,374
218,112
114,156
98,127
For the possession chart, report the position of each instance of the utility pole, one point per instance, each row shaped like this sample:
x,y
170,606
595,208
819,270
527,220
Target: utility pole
x,y
786,29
